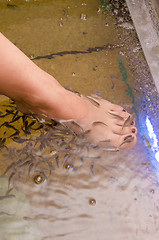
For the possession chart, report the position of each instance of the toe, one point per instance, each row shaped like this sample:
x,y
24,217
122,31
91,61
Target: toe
x,y
127,141
120,130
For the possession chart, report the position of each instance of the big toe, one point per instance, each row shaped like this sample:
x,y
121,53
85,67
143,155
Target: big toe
x,y
127,141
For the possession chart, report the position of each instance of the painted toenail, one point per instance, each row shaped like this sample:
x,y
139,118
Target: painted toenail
x,y
127,137
124,110
132,123
133,130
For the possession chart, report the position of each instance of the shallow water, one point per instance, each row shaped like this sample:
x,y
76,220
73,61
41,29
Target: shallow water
x,y
51,185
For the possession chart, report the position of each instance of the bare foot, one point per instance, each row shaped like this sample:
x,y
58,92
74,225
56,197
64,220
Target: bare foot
x,y
100,121
105,124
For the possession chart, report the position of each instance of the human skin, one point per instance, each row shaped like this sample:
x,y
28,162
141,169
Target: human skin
x,y
36,91
39,92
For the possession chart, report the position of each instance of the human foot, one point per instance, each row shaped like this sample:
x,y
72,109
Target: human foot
x,y
93,118
106,124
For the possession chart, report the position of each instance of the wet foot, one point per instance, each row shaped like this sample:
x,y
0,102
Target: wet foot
x,y
105,124
96,119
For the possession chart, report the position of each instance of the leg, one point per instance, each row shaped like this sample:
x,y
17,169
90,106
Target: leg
x,y
40,93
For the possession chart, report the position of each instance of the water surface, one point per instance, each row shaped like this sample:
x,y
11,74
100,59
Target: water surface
x,y
52,187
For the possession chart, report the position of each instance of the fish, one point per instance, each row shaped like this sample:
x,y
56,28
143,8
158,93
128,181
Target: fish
x,y
95,103
98,122
114,78
19,140
2,141
9,167
86,132
92,167
8,196
30,168
25,163
10,178
6,124
10,111
117,116
51,167
57,160
147,142
14,134
112,149
105,141
4,213
145,163
66,158
129,120
77,125
14,119
128,140
9,190
14,115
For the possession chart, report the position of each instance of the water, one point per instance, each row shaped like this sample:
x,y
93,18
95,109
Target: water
x,y
52,186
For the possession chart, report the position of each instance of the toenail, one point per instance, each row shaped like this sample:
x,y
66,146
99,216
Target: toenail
x,y
132,123
124,110
133,130
127,137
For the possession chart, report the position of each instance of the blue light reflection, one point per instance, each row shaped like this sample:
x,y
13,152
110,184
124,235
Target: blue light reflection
x,y
153,137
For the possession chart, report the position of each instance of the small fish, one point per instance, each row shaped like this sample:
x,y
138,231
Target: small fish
x,y
147,142
10,111
29,219
114,78
66,158
19,140
92,167
6,124
9,167
51,167
112,149
105,141
15,119
10,178
98,122
14,116
4,115
2,141
86,132
30,168
4,213
14,134
8,196
77,125
129,120
95,103
117,116
146,163
30,125
25,163
57,161
9,190
128,140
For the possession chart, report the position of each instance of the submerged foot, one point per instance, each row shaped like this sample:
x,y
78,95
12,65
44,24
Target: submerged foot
x,y
96,119
105,124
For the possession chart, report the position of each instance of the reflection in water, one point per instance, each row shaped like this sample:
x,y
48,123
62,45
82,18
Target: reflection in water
x,y
154,150
152,135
